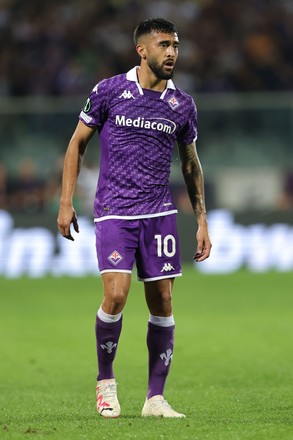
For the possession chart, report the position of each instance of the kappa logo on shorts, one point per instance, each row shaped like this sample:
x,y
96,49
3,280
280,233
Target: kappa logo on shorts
x,y
167,267
115,258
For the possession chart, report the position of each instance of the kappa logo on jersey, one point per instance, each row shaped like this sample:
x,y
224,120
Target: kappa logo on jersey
x,y
167,357
127,95
167,267
115,258
173,102
157,124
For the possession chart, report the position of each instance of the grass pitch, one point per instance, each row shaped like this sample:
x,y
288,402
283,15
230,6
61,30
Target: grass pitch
x,y
232,371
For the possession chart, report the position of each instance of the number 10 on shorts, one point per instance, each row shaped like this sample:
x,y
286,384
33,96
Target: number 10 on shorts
x,y
166,246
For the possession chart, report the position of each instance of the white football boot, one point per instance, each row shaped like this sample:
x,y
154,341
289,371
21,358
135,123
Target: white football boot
x,y
157,406
107,402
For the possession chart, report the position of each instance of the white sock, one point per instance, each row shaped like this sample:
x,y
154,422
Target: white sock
x,y
105,317
162,321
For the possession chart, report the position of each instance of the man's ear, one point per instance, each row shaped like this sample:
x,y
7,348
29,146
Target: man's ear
x,y
140,48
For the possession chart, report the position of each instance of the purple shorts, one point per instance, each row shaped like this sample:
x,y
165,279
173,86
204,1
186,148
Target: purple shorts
x,y
151,243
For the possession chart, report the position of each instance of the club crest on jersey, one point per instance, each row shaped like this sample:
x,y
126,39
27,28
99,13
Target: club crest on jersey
x,y
173,103
115,258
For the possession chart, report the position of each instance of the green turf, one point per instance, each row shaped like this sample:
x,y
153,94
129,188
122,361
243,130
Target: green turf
x,y
232,373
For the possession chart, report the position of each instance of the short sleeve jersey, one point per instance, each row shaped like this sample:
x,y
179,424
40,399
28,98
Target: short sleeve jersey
x,y
138,129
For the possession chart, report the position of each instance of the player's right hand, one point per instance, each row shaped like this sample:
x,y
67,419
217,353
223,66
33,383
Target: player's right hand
x,y
67,216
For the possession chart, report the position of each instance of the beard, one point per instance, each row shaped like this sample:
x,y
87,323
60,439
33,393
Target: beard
x,y
158,70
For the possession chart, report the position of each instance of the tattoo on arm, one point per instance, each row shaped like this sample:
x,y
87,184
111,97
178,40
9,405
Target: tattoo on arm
x,y
193,176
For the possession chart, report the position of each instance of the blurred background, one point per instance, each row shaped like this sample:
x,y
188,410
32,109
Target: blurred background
x,y
235,60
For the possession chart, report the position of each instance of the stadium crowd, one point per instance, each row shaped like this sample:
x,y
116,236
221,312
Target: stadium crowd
x,y
48,47
54,48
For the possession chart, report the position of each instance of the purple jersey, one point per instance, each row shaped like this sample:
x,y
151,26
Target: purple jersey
x,y
138,129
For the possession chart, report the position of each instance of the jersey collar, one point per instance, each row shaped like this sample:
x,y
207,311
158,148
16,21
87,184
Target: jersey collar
x,y
131,75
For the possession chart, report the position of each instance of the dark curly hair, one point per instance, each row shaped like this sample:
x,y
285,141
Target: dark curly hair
x,y
153,25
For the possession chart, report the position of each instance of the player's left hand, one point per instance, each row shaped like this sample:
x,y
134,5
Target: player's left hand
x,y
204,244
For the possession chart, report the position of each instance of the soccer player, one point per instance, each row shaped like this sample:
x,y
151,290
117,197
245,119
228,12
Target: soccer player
x,y
139,116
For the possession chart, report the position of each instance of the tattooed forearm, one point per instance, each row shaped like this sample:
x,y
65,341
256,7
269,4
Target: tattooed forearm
x,y
193,176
